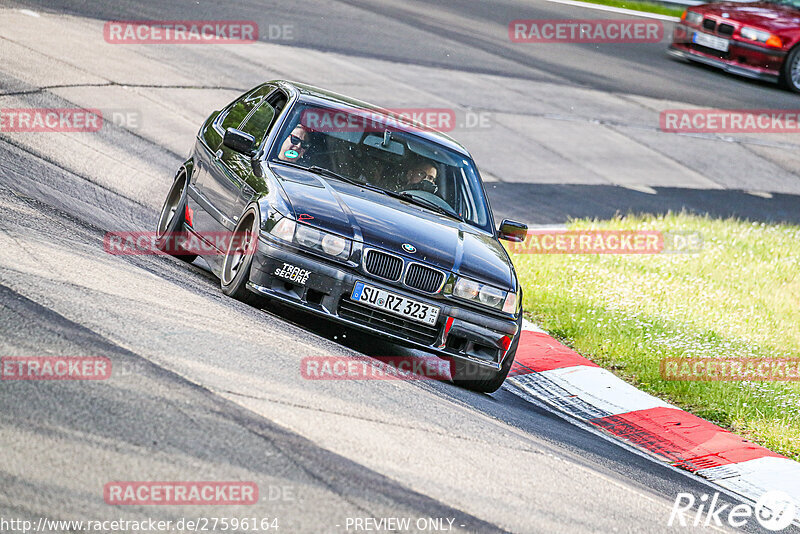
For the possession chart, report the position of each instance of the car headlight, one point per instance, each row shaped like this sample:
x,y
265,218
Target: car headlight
x,y
483,294
308,237
692,17
288,230
284,229
761,36
510,304
333,244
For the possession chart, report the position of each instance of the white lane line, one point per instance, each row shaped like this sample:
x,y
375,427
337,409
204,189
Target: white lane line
x,y
532,327
761,475
616,10
640,188
603,389
29,13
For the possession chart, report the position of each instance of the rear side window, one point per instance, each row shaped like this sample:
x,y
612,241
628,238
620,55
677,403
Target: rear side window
x,y
259,122
235,114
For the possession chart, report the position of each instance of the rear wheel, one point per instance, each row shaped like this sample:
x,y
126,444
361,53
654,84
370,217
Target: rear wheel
x,y
791,70
477,378
170,222
239,259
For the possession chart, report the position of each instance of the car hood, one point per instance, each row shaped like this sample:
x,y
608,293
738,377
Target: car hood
x,y
385,222
766,15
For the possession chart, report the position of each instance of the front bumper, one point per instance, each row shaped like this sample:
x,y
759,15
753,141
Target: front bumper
x,y
743,59
459,331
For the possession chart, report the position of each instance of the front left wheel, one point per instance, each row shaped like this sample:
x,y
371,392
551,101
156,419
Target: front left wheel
x,y
791,70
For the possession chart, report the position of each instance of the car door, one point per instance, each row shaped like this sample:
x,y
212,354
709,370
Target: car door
x,y
215,184
235,170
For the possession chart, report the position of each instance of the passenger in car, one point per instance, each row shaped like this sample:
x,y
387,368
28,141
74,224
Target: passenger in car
x,y
421,176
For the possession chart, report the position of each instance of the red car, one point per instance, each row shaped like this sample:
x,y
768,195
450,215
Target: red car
x,y
754,39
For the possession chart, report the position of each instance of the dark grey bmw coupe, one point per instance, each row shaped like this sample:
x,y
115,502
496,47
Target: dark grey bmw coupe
x,y
352,213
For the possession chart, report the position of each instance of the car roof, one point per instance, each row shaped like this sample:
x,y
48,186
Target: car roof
x,y
315,95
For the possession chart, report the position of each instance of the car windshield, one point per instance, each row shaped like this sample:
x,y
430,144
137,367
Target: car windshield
x,y
386,154
792,3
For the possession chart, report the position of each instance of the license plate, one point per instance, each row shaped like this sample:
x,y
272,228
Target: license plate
x,y
395,304
711,41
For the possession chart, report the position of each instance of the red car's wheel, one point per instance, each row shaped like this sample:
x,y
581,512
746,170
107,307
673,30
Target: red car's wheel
x,y
791,70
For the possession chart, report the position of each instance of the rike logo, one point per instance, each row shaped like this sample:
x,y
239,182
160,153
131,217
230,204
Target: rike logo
x,y
774,510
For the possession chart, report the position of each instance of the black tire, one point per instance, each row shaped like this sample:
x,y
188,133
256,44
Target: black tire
x,y
477,378
239,258
790,73
171,219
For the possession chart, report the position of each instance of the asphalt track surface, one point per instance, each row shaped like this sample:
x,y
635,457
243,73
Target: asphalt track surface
x,y
447,34
463,35
206,388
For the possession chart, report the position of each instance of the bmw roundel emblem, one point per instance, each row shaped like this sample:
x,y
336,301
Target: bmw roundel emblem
x,y
408,247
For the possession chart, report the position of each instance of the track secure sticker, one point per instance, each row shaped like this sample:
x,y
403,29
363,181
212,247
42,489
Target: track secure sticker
x,y
293,274
291,154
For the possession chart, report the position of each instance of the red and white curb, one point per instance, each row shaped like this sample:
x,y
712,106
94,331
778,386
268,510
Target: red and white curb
x,y
560,377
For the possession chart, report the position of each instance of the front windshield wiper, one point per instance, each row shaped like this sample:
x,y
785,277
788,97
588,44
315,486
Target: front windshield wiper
x,y
321,170
332,174
424,203
402,196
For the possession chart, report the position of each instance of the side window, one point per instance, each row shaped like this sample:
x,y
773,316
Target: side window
x,y
235,114
466,202
259,123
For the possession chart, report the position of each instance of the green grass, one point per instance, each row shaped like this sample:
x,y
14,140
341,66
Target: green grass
x,y
648,7
738,297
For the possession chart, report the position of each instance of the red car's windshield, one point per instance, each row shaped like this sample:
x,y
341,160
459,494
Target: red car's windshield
x,y
792,3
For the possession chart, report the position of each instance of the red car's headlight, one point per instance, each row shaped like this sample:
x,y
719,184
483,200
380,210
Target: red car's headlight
x,y
692,17
761,36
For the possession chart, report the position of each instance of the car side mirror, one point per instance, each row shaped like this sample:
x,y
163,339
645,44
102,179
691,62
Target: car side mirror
x,y
513,231
239,141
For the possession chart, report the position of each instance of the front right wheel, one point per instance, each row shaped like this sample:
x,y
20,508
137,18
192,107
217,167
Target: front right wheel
x,y
239,258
